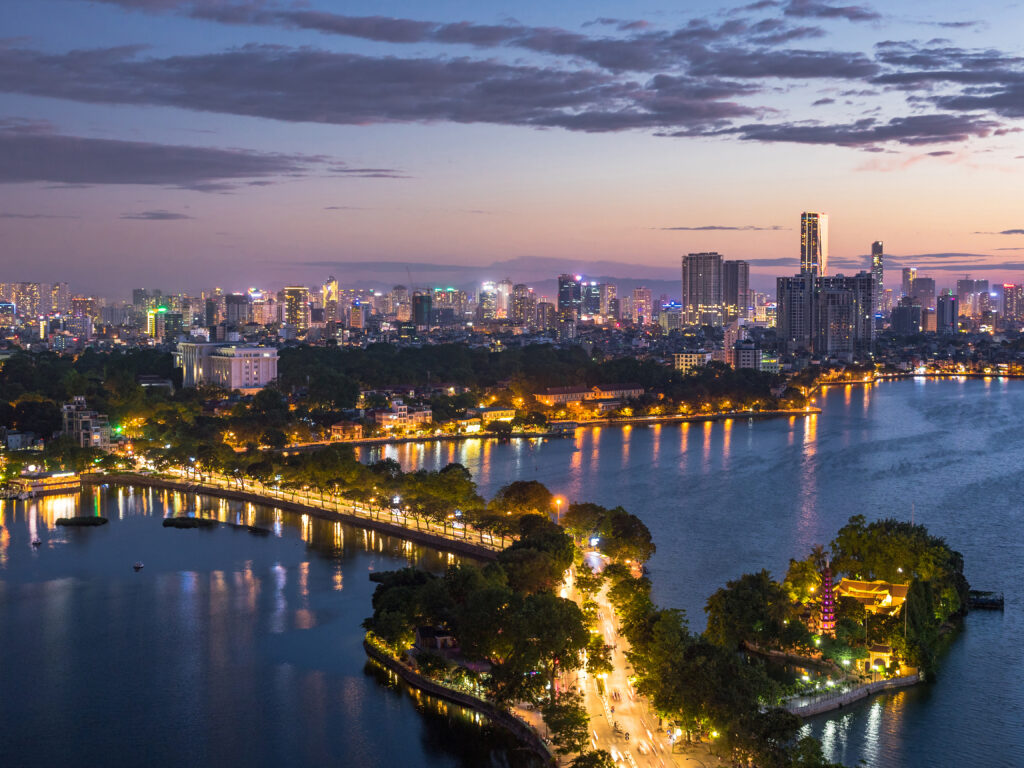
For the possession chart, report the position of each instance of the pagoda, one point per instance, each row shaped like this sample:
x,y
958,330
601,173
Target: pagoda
x,y
827,622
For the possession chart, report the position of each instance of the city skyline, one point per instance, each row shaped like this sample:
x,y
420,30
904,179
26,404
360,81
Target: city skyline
x,y
659,134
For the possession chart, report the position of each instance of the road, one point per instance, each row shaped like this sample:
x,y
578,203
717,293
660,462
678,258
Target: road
x,y
621,721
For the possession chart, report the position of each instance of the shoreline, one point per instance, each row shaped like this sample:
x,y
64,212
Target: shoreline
x,y
435,541
523,732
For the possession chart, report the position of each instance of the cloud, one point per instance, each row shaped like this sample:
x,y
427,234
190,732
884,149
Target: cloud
x,y
159,215
307,85
824,10
914,130
940,153
343,208
34,216
1003,232
75,162
822,102
716,227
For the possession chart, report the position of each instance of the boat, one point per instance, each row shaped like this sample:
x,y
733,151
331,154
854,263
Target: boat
x,y
138,566
36,543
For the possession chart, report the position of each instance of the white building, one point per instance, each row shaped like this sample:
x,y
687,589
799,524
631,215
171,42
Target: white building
x,y
231,366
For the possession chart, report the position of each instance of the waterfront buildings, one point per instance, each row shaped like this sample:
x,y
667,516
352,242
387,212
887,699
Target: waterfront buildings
x,y
878,277
735,289
296,308
947,316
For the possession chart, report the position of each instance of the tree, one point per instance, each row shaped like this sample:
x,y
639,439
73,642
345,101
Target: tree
x,y
594,758
751,609
599,656
566,718
522,497
625,538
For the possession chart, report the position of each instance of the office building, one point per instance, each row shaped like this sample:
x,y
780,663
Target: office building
x,y
702,288
422,304
590,298
547,315
329,298
642,306
609,293
909,276
296,308
878,276
814,243
794,313
570,296
237,309
524,305
735,289
947,316
487,308
906,317
923,289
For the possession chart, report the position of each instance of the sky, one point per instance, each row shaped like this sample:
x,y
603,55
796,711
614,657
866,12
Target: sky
x,y
182,144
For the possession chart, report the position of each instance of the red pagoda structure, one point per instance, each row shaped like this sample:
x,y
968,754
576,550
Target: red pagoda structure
x,y
827,621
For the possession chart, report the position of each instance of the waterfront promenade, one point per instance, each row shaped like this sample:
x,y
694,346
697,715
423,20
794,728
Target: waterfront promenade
x,y
448,536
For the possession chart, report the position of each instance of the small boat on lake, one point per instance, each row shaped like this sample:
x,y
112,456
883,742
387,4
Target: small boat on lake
x,y
138,566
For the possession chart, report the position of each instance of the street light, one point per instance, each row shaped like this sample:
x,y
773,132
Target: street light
x,y
558,509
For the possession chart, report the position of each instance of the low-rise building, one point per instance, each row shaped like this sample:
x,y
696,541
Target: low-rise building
x,y
346,430
86,427
496,414
231,366
401,416
877,597
687,361
562,395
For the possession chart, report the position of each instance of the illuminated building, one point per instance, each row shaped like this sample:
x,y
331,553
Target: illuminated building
x,y
590,299
155,322
83,306
86,427
60,298
814,243
503,298
735,289
642,306
827,619
909,276
296,308
878,276
546,315
231,366
794,312
570,296
702,288
329,297
923,289
609,294
237,309
524,305
487,309
422,305
906,317
687,361
8,314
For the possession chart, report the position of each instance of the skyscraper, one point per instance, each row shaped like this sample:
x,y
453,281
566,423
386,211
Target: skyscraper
x,y
923,288
814,243
422,303
642,306
909,276
329,296
590,298
524,305
735,288
296,307
878,274
570,295
702,288
794,312
947,316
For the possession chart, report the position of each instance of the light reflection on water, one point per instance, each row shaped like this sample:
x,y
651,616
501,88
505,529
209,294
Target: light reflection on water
x,y
226,649
718,506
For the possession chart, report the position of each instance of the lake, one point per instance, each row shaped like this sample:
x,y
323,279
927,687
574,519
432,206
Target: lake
x,y
731,497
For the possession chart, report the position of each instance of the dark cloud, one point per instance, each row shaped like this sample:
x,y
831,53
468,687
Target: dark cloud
x,y
912,131
343,208
348,89
367,173
159,215
816,9
1003,232
717,227
940,153
73,161
822,102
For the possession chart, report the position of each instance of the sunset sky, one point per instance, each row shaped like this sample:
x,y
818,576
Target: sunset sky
x,y
183,144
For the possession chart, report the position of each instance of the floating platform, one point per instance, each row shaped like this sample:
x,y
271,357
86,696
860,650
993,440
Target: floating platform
x,y
82,521
987,601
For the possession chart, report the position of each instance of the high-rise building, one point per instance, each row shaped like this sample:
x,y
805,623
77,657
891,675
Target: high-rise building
x,y
878,274
947,315
60,298
329,297
844,322
590,298
794,312
570,295
487,308
1013,302
422,304
909,276
237,309
923,289
702,288
735,289
609,293
906,317
523,310
504,298
83,306
643,310
814,243
547,315
296,307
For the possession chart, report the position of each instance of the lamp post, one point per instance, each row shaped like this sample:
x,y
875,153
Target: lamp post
x,y
558,510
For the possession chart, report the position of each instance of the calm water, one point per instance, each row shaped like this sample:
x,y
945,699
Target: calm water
x,y
227,649
730,497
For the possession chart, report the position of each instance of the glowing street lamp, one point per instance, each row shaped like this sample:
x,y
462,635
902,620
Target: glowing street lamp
x,y
558,509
